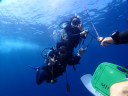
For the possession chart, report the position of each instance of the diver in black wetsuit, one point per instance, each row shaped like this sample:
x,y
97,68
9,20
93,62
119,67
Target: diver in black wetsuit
x,y
55,64
73,33
116,38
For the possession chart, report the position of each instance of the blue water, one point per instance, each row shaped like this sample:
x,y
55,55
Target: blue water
x,y
28,26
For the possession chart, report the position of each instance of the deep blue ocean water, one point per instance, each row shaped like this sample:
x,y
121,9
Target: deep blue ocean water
x,y
28,26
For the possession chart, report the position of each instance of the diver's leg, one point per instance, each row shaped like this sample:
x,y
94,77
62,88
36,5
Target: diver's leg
x,y
40,76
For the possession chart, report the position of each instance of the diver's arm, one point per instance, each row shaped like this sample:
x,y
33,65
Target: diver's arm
x,y
116,38
78,34
120,37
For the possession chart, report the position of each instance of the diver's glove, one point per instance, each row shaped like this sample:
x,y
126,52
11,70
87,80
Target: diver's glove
x,y
84,33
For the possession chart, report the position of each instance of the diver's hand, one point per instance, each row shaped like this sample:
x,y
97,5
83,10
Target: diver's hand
x,y
107,41
100,39
83,33
80,26
81,51
52,61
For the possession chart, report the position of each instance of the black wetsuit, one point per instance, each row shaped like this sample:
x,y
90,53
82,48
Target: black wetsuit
x,y
51,72
120,37
48,73
73,36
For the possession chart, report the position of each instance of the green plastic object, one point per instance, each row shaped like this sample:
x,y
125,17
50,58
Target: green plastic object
x,y
105,75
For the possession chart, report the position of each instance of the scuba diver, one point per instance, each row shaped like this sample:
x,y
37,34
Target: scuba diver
x,y
115,38
73,32
55,64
